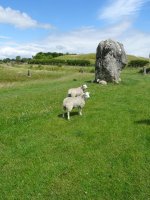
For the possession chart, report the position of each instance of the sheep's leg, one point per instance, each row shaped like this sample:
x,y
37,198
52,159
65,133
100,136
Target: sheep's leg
x,y
68,114
64,111
80,111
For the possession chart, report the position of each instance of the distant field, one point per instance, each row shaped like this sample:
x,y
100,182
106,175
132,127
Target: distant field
x,y
102,155
91,57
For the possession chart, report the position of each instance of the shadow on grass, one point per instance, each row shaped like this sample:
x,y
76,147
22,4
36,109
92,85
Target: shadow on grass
x,y
144,121
71,114
90,81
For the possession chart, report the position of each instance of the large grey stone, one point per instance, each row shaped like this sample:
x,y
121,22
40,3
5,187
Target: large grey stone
x,y
110,60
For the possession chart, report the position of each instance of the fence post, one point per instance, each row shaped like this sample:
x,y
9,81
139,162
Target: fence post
x,y
29,73
144,70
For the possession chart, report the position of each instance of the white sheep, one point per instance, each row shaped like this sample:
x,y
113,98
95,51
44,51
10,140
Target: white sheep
x,y
102,82
74,102
74,92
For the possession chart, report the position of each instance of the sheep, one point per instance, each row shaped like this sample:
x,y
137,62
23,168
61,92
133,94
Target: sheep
x,y
74,102
74,92
102,82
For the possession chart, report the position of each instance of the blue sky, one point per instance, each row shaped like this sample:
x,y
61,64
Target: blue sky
x,y
75,26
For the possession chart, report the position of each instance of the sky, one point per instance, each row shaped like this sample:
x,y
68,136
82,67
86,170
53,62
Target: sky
x,y
73,26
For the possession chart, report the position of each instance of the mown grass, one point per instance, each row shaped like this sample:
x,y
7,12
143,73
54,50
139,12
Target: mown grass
x,y
102,155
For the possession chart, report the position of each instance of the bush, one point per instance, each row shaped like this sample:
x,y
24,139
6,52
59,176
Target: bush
x,y
48,55
147,71
78,62
60,62
138,63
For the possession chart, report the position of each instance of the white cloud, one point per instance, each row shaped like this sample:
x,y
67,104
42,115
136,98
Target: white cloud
x,y
84,40
19,20
12,49
119,9
137,43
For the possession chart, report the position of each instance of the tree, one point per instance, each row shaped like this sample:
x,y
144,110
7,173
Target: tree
x,y
6,60
18,59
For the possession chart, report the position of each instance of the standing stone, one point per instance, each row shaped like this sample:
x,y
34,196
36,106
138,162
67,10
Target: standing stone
x,y
110,60
29,73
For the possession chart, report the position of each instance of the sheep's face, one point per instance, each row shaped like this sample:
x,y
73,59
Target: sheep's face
x,y
87,95
84,87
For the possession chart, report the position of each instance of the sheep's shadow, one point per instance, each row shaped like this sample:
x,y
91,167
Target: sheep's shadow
x,y
71,114
144,121
89,81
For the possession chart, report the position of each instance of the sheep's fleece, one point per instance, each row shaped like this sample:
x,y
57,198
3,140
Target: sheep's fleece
x,y
75,102
74,92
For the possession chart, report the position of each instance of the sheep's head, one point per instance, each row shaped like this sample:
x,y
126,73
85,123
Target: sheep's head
x,y
84,87
86,95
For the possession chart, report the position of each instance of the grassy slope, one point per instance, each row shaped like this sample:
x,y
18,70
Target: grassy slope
x,y
92,57
102,155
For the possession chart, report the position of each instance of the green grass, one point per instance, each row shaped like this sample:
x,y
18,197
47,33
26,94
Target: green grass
x,y
102,155
92,56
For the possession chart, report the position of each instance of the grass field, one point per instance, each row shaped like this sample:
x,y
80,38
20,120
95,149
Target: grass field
x,y
102,155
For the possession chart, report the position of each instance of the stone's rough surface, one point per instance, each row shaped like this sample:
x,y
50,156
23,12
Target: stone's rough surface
x,y
110,60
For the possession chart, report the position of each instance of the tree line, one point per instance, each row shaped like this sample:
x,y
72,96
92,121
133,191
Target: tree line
x,y
49,58
72,62
40,55
52,58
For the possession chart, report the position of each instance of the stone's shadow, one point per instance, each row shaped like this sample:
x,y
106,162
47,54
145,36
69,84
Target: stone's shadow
x,y
71,114
144,121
